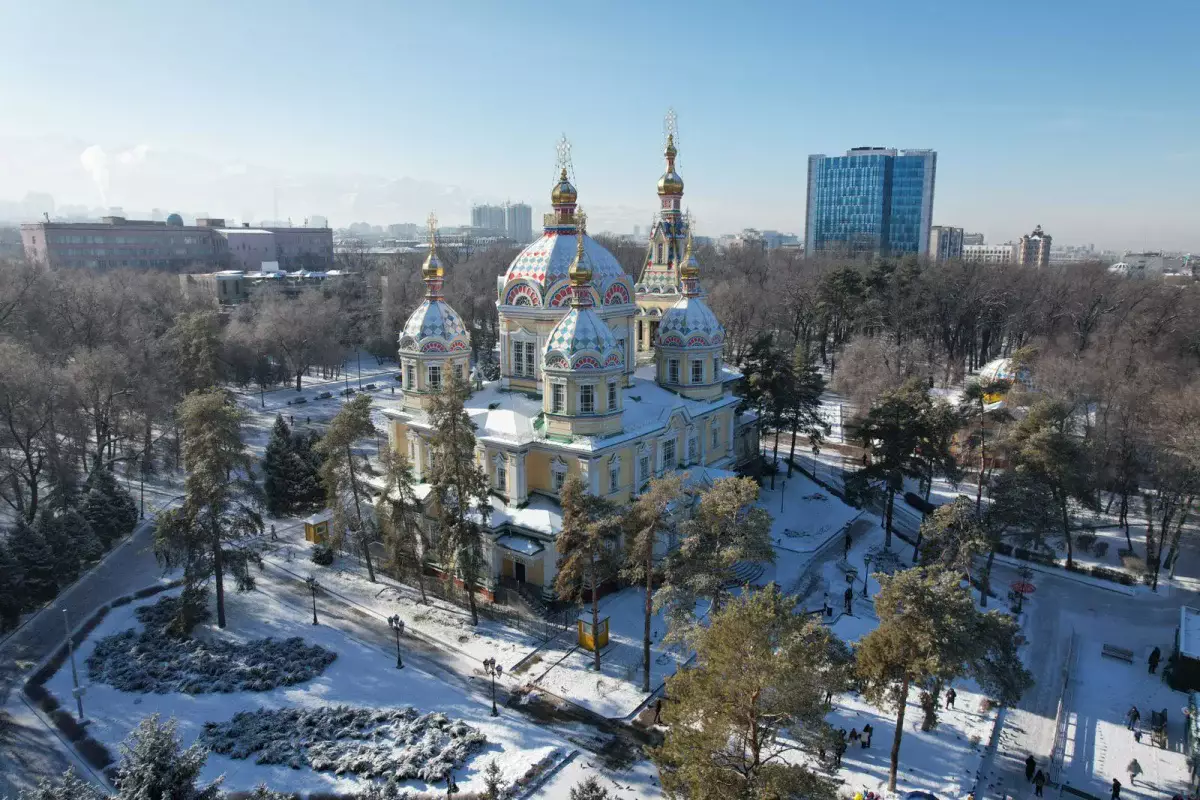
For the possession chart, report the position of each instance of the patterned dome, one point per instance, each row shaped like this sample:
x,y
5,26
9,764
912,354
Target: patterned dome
x,y
580,341
538,275
434,327
690,323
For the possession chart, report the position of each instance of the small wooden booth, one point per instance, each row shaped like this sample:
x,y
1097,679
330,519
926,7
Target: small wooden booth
x,y
590,639
316,527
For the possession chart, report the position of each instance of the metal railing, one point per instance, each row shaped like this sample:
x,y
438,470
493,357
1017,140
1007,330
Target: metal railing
x,y
1058,749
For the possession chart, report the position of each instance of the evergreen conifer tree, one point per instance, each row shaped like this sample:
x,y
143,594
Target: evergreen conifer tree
x,y
36,563
343,472
590,528
491,781
305,472
154,766
67,786
109,509
589,789
220,507
87,544
398,526
277,491
12,599
66,558
460,489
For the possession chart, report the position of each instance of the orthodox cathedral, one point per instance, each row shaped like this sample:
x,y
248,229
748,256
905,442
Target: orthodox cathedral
x,y
615,381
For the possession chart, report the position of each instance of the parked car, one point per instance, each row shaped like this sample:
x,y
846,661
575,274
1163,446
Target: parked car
x,y
324,395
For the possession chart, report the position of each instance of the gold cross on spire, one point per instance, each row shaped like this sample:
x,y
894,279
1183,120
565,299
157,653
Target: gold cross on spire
x,y
432,222
671,127
563,162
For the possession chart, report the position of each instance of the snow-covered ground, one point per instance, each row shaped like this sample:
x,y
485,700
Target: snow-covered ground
x,y
363,675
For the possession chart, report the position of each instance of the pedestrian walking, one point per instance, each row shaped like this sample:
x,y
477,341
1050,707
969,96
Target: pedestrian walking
x,y
866,735
950,697
1137,732
274,538
839,750
829,697
1155,657
1131,717
1039,783
1116,789
854,734
846,547
1030,767
849,597
1134,769
291,419
826,609
657,710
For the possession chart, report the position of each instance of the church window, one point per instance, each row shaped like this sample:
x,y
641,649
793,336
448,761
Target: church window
x,y
435,378
693,450
697,371
529,356
587,399
501,475
558,394
614,479
558,474
644,470
672,370
612,396
668,451
716,434
410,376
716,367
458,372
659,253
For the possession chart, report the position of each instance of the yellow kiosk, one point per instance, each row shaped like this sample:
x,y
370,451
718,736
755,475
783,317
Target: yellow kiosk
x,y
592,639
316,527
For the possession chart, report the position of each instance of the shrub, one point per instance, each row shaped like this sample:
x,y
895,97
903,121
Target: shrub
x,y
1004,548
93,752
322,555
1100,549
1112,575
68,725
1085,540
49,703
1135,566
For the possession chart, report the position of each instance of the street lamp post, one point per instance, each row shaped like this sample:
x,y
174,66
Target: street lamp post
x,y
493,670
78,690
313,586
782,493
142,485
866,573
397,625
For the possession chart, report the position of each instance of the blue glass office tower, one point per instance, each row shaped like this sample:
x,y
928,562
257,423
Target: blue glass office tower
x,y
871,200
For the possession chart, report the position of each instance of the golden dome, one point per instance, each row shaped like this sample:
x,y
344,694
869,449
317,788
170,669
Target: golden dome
x,y
563,193
670,183
432,268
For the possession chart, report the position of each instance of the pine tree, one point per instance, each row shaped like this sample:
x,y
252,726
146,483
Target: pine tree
x,y
220,504
50,528
727,527
589,789
491,781
67,786
460,489
398,526
754,697
87,544
305,472
804,401
154,766
929,634
652,516
13,598
343,473
952,537
36,563
108,508
277,492
590,529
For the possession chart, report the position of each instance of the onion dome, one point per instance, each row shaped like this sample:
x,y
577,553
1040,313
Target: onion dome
x,y
690,323
581,340
563,192
434,327
670,184
538,276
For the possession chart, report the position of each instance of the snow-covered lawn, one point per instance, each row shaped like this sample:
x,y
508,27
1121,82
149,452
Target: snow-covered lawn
x,y
362,676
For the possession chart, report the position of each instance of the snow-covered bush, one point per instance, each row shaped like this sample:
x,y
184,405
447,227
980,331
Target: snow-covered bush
x,y
400,744
151,661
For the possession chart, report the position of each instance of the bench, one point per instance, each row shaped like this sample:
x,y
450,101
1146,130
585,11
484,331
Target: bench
x,y
1119,653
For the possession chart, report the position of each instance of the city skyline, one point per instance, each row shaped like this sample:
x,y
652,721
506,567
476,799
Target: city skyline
x,y
1063,126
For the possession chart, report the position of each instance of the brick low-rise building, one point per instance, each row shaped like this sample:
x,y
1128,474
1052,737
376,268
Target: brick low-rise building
x,y
116,242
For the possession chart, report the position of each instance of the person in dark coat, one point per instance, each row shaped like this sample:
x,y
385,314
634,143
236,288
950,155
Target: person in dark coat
x,y
854,734
1116,789
849,597
1039,783
1030,767
950,697
839,750
1155,657
846,547
1132,717
866,735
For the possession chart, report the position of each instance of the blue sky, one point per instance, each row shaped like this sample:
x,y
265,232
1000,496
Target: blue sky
x,y
1081,116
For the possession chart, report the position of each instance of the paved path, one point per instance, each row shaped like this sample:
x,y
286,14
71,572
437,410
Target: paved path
x,y
34,750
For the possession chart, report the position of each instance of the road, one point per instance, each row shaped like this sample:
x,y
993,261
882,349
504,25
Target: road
x,y
33,749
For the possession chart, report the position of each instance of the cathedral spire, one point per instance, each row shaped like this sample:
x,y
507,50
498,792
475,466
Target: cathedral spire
x,y
580,273
431,270
563,195
689,271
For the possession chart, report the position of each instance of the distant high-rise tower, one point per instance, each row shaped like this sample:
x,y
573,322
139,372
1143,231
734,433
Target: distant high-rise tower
x,y
945,243
518,222
872,200
490,218
1034,249
973,239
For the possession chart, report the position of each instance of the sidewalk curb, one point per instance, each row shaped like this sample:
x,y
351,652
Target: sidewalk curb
x,y
1065,574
